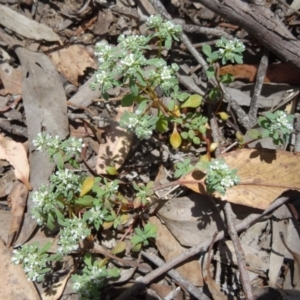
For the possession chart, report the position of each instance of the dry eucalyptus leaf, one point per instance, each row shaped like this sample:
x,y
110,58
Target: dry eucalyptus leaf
x,y
256,260
71,62
169,248
264,176
11,79
14,284
114,152
16,155
17,200
191,219
45,107
57,289
26,27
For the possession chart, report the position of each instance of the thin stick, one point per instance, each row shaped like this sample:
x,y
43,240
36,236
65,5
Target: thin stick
x,y
261,73
175,275
239,252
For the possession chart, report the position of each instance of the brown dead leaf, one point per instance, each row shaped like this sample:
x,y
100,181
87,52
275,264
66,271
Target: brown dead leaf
x,y
16,155
277,73
170,248
7,183
17,200
45,106
57,289
264,174
71,62
11,79
114,152
13,282
191,219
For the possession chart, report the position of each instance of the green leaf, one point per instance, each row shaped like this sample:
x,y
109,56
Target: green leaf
x,y
162,124
210,72
184,135
196,140
50,222
136,239
227,78
154,61
87,258
214,56
45,248
85,201
150,230
137,247
191,134
133,87
193,101
128,100
168,42
58,160
114,272
140,79
111,170
183,96
238,57
206,49
254,134
214,93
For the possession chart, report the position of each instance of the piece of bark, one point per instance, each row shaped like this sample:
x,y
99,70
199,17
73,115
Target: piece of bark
x,y
261,23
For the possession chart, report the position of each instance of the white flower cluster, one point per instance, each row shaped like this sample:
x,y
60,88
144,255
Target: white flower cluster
x,y
52,145
44,203
132,63
132,42
96,213
69,236
220,176
230,45
33,263
281,121
163,75
164,27
65,180
103,51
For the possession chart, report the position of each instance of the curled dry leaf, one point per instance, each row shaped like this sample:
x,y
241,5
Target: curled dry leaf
x,y
264,176
114,152
16,155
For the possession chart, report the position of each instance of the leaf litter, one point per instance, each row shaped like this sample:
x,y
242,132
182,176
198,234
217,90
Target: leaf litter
x,y
270,245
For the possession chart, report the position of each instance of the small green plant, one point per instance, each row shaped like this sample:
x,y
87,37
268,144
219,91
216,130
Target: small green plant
x,y
219,177
59,151
77,206
93,277
182,168
141,237
194,124
277,125
35,261
143,192
129,61
229,51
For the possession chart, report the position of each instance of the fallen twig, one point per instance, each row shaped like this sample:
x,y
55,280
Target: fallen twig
x,y
239,252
